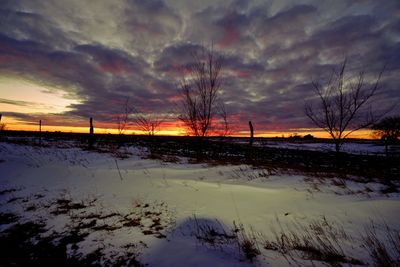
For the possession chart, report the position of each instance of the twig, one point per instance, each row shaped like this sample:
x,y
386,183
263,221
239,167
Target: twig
x,y
119,172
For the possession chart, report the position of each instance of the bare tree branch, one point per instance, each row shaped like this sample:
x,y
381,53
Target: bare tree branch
x,y
123,118
150,123
344,105
200,105
226,130
388,127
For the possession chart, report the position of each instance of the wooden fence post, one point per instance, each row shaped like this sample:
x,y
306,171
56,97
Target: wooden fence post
x,y
251,134
91,132
40,132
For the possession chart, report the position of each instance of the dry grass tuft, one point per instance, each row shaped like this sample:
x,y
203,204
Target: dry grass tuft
x,y
384,250
318,241
247,242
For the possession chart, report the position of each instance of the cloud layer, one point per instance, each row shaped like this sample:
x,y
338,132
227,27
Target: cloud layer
x,y
101,52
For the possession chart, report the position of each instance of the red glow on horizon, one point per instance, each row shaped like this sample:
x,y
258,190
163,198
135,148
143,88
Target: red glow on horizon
x,y
171,128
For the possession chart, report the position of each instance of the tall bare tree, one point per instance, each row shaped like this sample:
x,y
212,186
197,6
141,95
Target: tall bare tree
x,y
344,104
200,104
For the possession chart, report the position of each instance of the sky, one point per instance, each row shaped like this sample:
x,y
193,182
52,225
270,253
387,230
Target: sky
x,y
65,61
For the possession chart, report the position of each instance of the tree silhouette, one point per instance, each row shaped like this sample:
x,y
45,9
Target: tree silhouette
x,y
200,103
148,123
226,129
123,117
344,105
388,127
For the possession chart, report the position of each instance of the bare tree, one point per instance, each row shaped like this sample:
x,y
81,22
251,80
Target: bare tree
x,y
226,129
150,123
200,105
123,117
344,105
388,127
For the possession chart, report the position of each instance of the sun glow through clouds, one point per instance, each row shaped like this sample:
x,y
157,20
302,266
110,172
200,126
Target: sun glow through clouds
x,y
28,97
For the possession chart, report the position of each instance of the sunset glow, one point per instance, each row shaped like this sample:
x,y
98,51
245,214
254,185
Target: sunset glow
x,y
178,133
27,97
131,50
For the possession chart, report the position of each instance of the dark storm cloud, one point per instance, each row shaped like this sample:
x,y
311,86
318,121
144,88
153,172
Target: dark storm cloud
x,y
289,23
105,52
30,26
150,24
101,77
177,57
113,61
241,68
152,16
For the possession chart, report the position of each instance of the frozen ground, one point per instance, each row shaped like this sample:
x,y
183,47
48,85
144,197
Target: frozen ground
x,y
181,214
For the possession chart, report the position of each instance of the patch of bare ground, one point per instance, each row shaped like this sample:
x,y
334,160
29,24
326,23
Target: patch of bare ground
x,y
8,218
43,246
7,191
23,244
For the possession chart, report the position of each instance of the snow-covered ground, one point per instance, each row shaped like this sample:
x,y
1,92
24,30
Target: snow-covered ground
x,y
161,211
